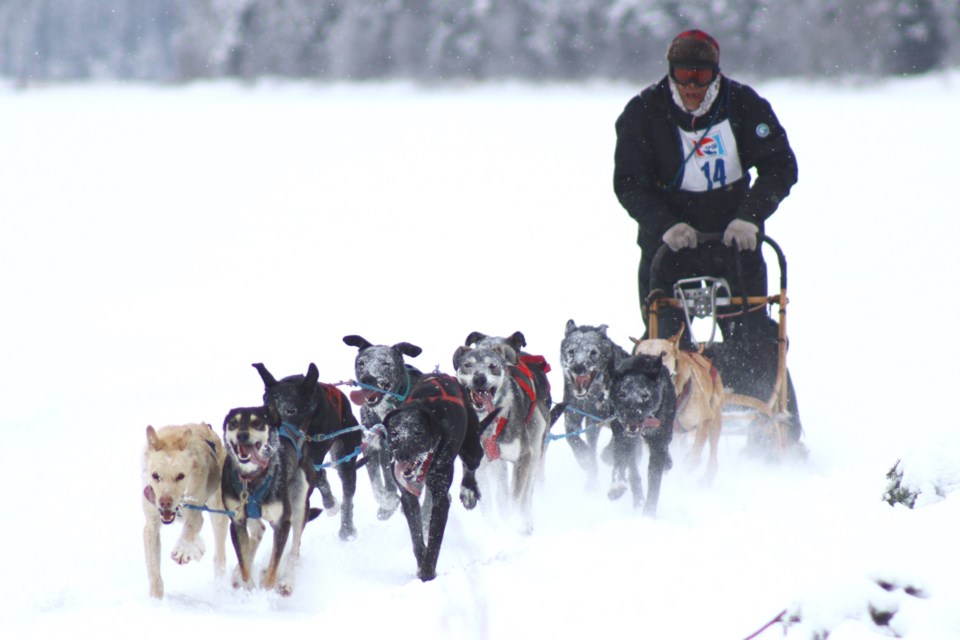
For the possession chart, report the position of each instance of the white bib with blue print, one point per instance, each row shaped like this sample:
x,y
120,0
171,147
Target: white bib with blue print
x,y
715,163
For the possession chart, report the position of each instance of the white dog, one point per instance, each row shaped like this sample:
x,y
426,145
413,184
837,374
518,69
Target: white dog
x,y
181,469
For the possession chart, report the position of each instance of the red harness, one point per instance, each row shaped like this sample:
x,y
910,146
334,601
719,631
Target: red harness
x,y
524,378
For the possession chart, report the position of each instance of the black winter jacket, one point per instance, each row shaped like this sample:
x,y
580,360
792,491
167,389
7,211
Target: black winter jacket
x,y
649,154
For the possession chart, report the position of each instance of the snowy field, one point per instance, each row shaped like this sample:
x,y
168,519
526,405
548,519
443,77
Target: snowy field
x,y
157,241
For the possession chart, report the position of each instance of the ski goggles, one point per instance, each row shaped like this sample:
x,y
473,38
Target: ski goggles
x,y
700,76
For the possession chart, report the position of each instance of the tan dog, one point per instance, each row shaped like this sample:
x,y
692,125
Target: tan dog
x,y
181,467
700,395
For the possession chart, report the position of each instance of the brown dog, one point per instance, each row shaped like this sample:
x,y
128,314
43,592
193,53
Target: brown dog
x,y
700,395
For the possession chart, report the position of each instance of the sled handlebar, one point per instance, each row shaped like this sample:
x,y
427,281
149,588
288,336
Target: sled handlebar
x,y
712,238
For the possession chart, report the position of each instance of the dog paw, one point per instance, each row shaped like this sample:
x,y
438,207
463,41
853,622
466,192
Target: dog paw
x,y
384,514
185,551
238,582
284,588
426,574
617,489
469,497
332,506
348,532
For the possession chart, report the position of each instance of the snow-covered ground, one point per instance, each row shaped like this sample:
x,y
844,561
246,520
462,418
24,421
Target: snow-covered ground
x,y
154,242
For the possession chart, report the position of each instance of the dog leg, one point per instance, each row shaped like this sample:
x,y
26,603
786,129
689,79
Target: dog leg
x,y
281,531
523,490
297,522
151,551
411,511
659,462
220,524
584,452
348,480
330,504
384,486
242,545
469,489
438,523
711,433
190,546
623,448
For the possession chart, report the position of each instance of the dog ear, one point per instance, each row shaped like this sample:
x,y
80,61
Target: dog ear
x,y
266,376
408,349
571,327
517,340
357,341
675,339
458,354
473,338
313,375
152,440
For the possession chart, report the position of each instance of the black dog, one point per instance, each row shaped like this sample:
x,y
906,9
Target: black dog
x,y
588,358
426,434
645,405
318,411
264,477
385,381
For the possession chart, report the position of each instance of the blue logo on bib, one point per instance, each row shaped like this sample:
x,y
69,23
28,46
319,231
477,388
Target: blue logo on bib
x,y
763,130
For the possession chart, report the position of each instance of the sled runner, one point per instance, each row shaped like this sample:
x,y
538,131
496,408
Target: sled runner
x,y
770,419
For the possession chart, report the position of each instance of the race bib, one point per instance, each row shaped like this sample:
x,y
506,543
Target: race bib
x,y
714,162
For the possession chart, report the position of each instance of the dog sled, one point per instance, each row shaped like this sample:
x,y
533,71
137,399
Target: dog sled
x,y
769,421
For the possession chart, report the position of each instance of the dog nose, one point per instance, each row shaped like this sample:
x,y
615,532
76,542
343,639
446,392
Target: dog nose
x,y
166,502
243,437
479,380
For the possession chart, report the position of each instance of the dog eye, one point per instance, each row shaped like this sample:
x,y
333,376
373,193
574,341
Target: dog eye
x,y
494,369
156,476
180,477
291,411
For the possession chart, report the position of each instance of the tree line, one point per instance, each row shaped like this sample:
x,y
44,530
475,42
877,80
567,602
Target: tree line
x,y
454,40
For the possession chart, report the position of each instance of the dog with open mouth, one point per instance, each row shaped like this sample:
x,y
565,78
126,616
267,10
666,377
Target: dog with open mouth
x,y
321,414
426,434
514,401
265,477
181,477
588,358
385,380
644,406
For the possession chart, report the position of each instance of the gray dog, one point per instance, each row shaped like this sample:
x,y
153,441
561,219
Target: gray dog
x,y
588,358
386,381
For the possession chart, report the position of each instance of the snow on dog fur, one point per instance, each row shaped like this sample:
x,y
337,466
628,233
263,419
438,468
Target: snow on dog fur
x,y
181,468
517,422
700,396
386,380
588,358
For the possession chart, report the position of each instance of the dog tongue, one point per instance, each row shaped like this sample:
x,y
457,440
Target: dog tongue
x,y
413,485
251,452
484,399
649,424
358,397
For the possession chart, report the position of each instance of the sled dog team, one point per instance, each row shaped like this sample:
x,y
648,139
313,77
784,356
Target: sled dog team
x,y
495,410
